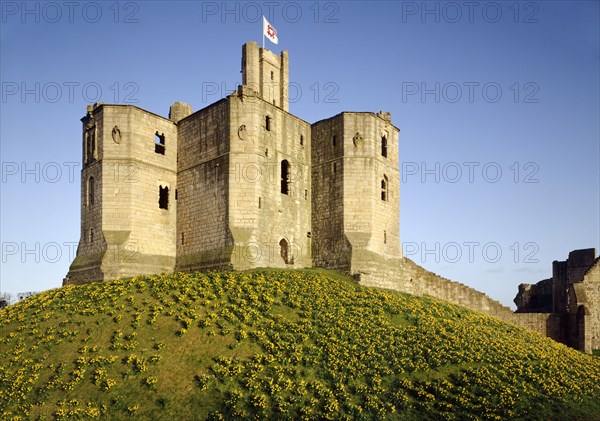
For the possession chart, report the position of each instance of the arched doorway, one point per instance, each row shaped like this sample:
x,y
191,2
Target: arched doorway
x,y
284,250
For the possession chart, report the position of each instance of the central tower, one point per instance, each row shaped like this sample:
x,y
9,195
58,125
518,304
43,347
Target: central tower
x,y
244,181
266,73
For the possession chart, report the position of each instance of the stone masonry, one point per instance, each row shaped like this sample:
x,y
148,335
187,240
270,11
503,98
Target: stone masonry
x,y
242,183
570,300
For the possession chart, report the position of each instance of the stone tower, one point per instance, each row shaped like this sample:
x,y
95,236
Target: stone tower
x,y
128,184
356,186
244,175
266,73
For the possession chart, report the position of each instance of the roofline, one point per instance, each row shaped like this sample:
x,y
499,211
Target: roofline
x,y
226,99
130,106
272,105
214,104
357,112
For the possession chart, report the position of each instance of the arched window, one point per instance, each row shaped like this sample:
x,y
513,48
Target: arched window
x,y
91,191
285,177
384,188
384,146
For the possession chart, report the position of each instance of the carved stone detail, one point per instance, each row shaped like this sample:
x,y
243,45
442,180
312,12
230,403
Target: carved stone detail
x,y
116,134
358,140
242,132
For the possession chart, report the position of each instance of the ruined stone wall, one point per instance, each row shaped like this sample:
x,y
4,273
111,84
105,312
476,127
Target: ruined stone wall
x,y
591,283
203,237
559,287
425,282
404,275
536,298
270,214
131,233
578,263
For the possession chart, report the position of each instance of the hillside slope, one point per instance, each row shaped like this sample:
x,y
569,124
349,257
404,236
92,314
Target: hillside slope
x,y
277,344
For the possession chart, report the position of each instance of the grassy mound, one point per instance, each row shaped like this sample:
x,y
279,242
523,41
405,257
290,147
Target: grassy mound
x,y
277,344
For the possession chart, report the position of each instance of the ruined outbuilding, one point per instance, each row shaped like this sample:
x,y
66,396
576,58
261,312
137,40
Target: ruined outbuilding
x,y
570,299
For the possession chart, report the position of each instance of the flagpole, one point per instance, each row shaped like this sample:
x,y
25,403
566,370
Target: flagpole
x,y
263,33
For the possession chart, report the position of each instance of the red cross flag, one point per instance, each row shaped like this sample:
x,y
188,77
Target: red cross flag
x,y
269,31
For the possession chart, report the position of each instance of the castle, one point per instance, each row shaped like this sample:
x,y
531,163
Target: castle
x,y
242,183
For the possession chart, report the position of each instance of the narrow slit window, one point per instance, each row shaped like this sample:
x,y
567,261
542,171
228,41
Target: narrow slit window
x,y
268,123
91,191
305,194
159,143
384,237
285,177
91,235
301,140
259,203
334,140
163,197
182,239
384,147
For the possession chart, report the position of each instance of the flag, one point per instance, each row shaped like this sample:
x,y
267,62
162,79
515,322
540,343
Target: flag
x,y
269,31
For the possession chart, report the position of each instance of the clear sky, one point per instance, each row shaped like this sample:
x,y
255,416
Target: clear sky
x,y
497,103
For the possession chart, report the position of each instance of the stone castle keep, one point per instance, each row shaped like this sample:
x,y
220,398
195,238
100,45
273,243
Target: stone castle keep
x,y
242,183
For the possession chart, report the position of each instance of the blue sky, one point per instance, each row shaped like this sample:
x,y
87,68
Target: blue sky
x,y
497,103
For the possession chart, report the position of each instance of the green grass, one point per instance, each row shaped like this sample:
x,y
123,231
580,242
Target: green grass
x,y
278,345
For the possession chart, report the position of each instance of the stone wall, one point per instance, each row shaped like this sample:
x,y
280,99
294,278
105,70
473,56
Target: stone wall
x,y
203,237
570,300
536,298
402,274
591,284
331,249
